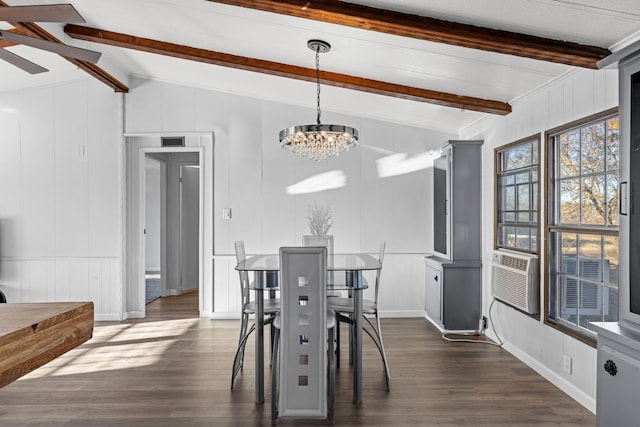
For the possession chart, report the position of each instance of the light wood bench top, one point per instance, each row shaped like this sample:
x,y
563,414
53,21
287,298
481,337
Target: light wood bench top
x,y
33,334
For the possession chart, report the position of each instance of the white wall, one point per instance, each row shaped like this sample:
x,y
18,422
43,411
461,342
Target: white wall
x,y
60,207
252,173
61,212
576,95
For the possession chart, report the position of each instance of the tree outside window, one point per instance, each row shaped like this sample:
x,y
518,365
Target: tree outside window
x,y
583,224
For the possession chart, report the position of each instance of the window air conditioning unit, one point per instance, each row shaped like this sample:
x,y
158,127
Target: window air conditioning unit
x,y
514,279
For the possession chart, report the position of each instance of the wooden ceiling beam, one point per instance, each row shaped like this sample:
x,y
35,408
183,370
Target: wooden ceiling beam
x,y
284,70
90,68
34,30
431,29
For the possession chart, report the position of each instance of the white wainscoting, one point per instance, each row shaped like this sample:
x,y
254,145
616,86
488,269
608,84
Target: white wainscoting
x,y
27,280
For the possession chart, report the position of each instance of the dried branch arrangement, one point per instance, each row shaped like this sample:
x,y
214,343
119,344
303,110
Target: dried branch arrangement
x,y
319,220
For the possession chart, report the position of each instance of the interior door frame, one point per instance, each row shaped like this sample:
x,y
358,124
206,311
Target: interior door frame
x,y
138,145
181,260
163,222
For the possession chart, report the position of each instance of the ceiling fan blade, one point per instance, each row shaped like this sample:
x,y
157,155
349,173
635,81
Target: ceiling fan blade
x,y
42,13
20,62
60,49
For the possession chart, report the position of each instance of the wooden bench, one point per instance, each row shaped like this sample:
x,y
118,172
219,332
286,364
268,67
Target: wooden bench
x,y
35,333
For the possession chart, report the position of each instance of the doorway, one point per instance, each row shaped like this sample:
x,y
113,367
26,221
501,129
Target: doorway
x,y
196,158
172,218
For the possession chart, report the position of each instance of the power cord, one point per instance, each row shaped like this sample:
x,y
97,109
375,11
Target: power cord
x,y
493,327
484,340
477,335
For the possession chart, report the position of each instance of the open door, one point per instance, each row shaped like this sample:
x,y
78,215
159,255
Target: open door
x,y
153,228
189,233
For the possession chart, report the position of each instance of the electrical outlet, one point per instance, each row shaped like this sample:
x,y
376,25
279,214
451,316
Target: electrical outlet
x,y
482,324
566,363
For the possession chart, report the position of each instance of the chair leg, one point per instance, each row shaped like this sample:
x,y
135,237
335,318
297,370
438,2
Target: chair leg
x,y
274,377
237,359
379,343
337,344
243,333
351,340
384,354
272,332
332,376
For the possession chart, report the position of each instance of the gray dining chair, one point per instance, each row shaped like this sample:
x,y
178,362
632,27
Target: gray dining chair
x,y
248,308
344,312
303,360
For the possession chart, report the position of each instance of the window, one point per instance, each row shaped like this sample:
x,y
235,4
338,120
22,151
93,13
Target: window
x,y
517,168
582,232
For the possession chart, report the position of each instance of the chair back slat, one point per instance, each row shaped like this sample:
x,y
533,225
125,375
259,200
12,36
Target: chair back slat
x,y
303,348
379,272
244,275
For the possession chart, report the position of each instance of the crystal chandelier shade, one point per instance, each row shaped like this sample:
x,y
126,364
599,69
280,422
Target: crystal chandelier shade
x,y
319,141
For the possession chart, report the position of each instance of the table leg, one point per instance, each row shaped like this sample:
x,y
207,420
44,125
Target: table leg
x,y
259,341
357,338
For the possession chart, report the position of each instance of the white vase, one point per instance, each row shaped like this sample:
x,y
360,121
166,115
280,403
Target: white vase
x,y
326,241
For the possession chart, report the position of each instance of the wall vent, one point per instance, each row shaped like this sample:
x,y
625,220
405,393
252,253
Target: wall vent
x,y
514,279
172,141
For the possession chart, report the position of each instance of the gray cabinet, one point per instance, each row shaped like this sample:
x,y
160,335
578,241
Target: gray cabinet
x,y
453,275
433,291
618,376
618,369
453,293
629,194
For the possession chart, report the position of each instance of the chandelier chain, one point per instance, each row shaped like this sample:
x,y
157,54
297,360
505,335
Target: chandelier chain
x,y
318,81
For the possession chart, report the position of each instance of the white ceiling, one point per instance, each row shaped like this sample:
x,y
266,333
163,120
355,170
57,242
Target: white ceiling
x,y
605,23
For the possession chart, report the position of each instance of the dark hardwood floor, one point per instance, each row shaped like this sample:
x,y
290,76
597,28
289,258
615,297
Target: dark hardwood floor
x,y
173,369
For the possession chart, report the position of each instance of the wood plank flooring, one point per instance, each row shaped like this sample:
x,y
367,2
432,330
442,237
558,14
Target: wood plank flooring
x,y
173,369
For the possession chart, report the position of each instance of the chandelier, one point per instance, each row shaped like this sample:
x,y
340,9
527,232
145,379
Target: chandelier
x,y
319,141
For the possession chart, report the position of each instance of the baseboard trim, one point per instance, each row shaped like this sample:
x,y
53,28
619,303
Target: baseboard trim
x,y
225,316
571,390
135,315
108,317
401,313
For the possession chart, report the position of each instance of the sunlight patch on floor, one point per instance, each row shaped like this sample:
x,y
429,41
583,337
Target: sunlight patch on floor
x,y
119,346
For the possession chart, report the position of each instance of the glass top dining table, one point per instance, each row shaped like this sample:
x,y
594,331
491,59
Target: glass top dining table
x,y
265,269
335,262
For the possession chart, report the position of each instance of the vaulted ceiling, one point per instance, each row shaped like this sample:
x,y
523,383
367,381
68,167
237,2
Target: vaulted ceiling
x,y
439,64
